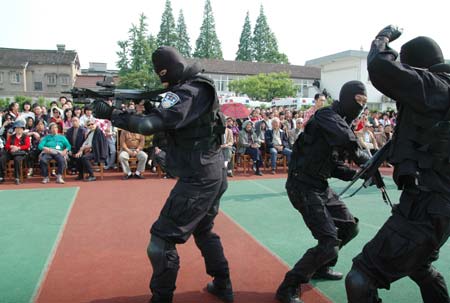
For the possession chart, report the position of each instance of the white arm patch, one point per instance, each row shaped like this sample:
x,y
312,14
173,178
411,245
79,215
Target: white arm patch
x,y
169,100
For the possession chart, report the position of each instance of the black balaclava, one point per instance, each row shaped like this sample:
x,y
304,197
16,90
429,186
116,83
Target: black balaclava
x,y
423,52
166,57
347,107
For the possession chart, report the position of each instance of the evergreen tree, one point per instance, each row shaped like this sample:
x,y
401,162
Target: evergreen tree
x,y
136,68
207,44
123,63
183,42
245,51
167,33
265,43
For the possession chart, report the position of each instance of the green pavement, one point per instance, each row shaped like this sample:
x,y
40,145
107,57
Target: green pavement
x,y
262,208
31,223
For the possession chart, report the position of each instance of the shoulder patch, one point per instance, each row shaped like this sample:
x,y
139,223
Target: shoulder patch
x,y
169,100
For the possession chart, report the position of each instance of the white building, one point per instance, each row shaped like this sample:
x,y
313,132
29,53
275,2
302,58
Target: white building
x,y
345,66
224,71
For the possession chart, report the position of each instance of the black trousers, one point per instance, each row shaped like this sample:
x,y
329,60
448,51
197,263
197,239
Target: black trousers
x,y
190,210
83,164
18,162
408,243
3,156
160,159
330,223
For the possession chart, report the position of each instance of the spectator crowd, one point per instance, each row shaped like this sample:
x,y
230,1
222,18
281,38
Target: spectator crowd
x,y
70,138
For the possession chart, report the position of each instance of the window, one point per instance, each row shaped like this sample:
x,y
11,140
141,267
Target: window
x,y
38,86
64,79
51,79
15,77
1,77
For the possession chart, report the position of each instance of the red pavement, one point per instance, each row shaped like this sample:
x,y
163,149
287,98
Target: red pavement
x,y
102,255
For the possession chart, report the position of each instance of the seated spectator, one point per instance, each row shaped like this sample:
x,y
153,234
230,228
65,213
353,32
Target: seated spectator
x,y
367,139
38,113
6,127
77,111
53,146
17,147
249,145
38,132
13,110
87,110
227,149
260,130
68,114
26,111
57,119
94,148
2,160
131,147
76,136
110,133
295,132
159,153
29,124
277,143
384,136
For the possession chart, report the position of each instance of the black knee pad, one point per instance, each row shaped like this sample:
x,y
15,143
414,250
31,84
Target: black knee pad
x,y
347,232
163,255
360,288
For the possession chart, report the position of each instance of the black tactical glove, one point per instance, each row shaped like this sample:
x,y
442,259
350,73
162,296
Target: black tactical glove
x,y
390,32
102,110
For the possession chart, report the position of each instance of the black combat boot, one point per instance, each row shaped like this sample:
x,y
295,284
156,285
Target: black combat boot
x,y
288,294
326,273
159,299
222,289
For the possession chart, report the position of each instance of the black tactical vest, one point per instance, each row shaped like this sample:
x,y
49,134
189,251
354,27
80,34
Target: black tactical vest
x,y
312,155
207,131
421,141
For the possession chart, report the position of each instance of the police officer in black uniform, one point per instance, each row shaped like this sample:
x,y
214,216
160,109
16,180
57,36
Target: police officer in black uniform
x,y
409,241
189,113
318,154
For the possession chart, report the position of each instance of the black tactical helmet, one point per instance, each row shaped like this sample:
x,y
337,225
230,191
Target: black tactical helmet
x,y
169,59
423,52
347,107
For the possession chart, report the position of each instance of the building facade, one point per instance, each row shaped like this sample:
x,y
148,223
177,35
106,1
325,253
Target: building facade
x,y
224,71
336,69
36,73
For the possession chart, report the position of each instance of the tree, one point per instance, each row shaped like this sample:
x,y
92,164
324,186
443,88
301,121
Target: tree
x,y
265,86
183,41
123,64
207,44
167,35
135,65
265,43
245,51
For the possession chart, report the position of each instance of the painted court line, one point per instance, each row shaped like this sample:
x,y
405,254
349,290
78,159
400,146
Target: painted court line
x,y
283,193
318,291
50,257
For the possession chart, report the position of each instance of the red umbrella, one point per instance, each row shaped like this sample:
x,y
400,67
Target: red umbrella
x,y
235,110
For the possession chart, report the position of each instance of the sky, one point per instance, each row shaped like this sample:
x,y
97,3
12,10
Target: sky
x,y
304,30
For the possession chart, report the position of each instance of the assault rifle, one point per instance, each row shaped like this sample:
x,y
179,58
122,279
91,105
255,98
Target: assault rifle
x,y
371,175
109,91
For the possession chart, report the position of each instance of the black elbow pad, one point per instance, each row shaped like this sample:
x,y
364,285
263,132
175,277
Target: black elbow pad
x,y
145,125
